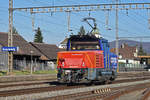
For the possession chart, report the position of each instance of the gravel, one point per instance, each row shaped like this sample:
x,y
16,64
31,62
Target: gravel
x,y
26,82
14,78
36,96
132,96
23,87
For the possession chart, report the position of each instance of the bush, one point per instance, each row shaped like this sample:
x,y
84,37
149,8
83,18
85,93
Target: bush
x,y
2,73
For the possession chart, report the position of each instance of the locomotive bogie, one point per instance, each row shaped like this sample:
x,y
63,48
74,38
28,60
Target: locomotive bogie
x,y
82,75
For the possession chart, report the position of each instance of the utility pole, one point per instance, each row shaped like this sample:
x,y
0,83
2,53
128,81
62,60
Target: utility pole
x,y
33,16
68,18
117,44
10,37
31,67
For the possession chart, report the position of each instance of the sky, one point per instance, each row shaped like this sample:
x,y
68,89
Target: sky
x,y
54,25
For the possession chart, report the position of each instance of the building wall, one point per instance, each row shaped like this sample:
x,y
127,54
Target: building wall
x,y
134,62
3,60
130,61
148,61
62,46
122,60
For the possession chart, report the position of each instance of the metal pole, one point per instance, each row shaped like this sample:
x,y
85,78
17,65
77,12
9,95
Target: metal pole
x,y
31,63
33,16
68,17
107,17
117,45
148,18
10,37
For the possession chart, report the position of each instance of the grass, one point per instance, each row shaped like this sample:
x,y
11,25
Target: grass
x,y
36,72
17,72
45,72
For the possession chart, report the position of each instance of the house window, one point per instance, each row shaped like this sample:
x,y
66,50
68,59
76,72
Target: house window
x,y
122,46
136,50
127,61
135,54
120,56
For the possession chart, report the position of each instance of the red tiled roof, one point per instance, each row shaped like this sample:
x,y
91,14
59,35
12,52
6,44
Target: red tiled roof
x,y
127,52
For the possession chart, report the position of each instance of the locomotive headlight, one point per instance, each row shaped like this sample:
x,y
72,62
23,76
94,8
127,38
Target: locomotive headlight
x,y
83,64
63,64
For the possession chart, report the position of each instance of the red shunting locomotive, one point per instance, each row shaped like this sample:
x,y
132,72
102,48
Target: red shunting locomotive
x,y
88,58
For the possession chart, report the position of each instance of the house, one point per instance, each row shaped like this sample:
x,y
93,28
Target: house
x,y
35,54
48,51
24,48
145,59
24,52
127,54
63,44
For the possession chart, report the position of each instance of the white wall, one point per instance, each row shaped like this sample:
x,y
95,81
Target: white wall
x,y
122,60
134,62
130,61
62,46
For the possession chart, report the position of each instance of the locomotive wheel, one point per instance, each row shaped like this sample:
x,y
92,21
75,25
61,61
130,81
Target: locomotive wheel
x,y
112,78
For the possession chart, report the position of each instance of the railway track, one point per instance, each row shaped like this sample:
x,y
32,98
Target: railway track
x,y
54,82
37,90
133,74
106,93
146,94
126,90
60,87
54,86
5,85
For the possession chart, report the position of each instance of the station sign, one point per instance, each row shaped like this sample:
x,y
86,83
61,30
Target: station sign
x,y
9,49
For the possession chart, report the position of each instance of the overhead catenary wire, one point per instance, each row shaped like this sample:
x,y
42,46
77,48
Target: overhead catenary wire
x,y
48,22
107,19
125,21
141,24
125,30
112,26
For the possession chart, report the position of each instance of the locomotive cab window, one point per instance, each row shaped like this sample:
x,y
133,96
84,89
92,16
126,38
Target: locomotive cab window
x,y
85,46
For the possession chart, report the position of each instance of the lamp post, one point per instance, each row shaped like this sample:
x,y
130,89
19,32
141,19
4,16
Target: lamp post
x,y
31,62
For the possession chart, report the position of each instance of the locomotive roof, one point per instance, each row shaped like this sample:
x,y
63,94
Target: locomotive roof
x,y
85,38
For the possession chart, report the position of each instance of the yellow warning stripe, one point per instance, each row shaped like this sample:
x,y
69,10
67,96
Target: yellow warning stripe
x,y
100,91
